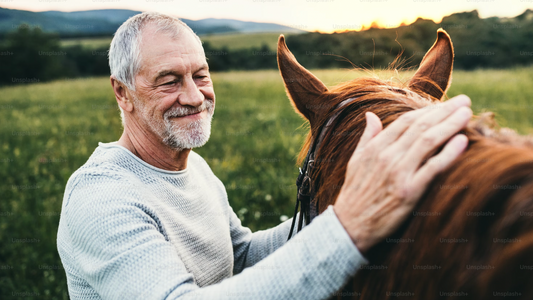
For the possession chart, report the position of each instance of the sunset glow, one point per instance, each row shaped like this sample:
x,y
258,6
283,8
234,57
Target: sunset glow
x,y
309,15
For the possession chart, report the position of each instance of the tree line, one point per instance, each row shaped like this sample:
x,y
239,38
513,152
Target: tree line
x,y
31,55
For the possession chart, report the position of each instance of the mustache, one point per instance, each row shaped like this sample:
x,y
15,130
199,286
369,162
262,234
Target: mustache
x,y
187,110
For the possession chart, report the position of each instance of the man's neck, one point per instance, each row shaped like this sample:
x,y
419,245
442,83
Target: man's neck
x,y
151,150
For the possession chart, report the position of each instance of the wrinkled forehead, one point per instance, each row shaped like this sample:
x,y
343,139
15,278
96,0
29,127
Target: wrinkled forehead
x,y
173,30
176,42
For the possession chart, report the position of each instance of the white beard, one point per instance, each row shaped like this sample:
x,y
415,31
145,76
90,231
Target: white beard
x,y
179,137
192,135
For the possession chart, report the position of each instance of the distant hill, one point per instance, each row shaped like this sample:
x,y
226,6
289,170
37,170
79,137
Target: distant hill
x,y
11,19
106,22
241,26
115,16
478,43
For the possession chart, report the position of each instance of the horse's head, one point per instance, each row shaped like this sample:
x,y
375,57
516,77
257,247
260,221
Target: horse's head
x,y
472,232
316,103
312,99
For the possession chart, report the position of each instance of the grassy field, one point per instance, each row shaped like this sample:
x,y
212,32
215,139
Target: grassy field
x,y
90,43
239,41
50,129
231,41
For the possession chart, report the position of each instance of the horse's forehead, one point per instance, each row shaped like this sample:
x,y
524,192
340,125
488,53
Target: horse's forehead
x,y
411,98
417,101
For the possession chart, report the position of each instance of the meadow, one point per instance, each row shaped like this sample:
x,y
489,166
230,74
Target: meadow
x,y
242,41
87,42
50,129
231,41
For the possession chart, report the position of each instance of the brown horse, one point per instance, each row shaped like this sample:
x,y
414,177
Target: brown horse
x,y
471,234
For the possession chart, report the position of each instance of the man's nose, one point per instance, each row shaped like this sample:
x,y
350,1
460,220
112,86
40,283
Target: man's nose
x,y
191,95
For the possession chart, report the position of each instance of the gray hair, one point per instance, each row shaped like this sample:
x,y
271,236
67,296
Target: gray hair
x,y
124,53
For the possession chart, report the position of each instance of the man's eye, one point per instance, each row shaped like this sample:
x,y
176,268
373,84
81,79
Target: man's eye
x,y
201,77
170,83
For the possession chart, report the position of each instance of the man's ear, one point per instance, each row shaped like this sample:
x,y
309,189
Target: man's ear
x,y
434,75
303,88
122,95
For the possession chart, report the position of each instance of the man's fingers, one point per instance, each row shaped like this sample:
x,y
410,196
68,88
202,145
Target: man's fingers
x,y
436,114
398,128
438,163
373,127
433,138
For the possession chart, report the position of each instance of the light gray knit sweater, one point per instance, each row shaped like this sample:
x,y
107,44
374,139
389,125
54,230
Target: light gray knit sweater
x,y
129,230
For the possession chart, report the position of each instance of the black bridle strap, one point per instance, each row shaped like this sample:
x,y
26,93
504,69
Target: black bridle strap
x,y
305,193
294,218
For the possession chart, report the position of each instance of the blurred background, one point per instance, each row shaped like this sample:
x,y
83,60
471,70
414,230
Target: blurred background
x,y
56,102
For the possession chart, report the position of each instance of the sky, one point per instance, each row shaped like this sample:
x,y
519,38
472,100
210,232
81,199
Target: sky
x,y
310,15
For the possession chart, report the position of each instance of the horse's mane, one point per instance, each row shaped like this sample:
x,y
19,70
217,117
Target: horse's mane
x,y
371,87
478,212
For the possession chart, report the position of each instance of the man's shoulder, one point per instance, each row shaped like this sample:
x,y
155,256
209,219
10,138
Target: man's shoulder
x,y
99,182
200,164
101,172
104,168
197,159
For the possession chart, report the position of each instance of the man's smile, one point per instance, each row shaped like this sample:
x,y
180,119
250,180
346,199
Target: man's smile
x,y
197,115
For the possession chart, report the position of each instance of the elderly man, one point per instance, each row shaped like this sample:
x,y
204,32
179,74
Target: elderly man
x,y
146,218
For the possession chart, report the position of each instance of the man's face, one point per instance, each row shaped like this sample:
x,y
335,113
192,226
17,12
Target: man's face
x,y
174,96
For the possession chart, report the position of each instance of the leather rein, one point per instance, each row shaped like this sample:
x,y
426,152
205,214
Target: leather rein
x,y
305,198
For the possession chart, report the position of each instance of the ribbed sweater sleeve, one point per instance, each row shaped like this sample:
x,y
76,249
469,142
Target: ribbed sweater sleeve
x,y
314,264
142,233
250,248
120,251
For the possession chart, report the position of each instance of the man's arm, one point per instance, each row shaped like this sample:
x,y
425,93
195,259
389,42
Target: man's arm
x,y
117,247
250,248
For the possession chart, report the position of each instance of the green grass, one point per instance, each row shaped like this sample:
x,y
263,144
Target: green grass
x,y
50,129
89,43
507,93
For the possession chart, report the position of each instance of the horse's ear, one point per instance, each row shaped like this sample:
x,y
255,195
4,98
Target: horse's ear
x,y
303,88
434,75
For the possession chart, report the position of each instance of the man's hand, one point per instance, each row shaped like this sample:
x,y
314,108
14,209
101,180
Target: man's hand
x,y
384,177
